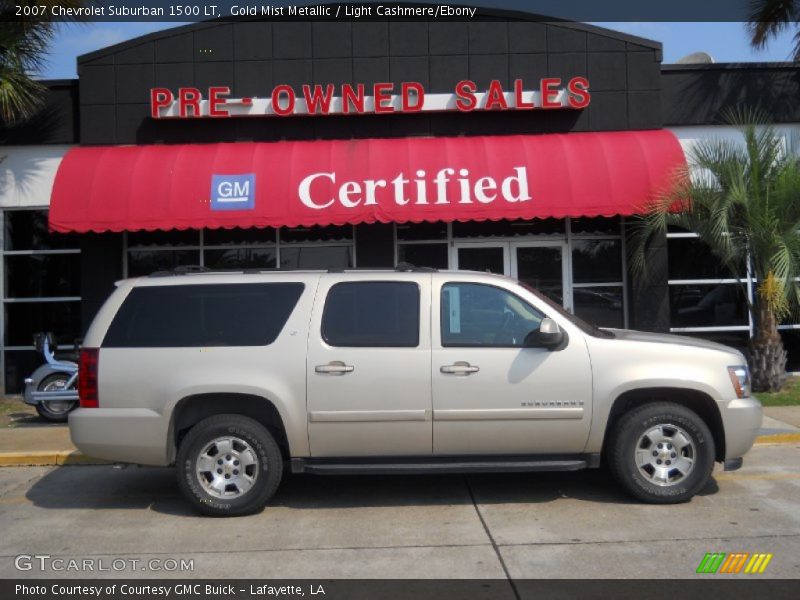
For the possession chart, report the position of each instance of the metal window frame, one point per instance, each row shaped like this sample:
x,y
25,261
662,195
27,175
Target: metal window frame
x,y
552,238
39,299
747,280
201,247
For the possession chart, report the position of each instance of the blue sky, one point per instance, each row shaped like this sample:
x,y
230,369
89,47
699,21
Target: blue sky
x,y
726,42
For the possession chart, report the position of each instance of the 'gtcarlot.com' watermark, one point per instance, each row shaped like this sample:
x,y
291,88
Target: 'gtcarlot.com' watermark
x,y
56,564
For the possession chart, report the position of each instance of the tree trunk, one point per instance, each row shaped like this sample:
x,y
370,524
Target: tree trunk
x,y
767,355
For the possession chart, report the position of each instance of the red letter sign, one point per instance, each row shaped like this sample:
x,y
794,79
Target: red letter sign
x,y
418,91
579,96
548,93
215,100
465,92
159,98
318,98
276,100
495,96
189,98
383,94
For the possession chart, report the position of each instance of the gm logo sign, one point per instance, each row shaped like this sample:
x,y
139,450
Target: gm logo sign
x,y
233,192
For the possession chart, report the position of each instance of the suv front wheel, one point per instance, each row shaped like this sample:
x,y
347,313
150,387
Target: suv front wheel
x,y
662,453
229,465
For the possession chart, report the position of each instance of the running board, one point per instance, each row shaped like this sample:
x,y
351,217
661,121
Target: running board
x,y
461,464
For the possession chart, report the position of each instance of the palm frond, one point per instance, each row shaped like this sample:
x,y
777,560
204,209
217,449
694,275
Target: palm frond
x,y
24,43
768,18
21,97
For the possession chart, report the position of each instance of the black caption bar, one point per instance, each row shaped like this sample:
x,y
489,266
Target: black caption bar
x,y
428,589
194,10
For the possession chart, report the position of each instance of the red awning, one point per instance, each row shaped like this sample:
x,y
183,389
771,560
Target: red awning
x,y
361,181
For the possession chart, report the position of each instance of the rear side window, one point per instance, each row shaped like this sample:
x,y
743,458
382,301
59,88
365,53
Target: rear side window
x,y
372,313
240,314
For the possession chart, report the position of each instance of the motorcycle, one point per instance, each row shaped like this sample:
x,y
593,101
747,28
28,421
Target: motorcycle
x,y
53,387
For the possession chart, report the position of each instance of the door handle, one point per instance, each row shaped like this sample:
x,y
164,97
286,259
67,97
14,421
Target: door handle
x,y
335,367
459,368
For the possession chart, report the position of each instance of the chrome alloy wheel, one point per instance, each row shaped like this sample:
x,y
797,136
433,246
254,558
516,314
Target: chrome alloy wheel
x,y
57,407
227,467
665,455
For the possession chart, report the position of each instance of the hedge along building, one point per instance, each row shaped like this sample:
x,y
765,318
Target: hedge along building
x,y
504,144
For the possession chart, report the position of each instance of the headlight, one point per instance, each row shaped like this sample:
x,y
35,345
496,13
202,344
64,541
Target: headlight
x,y
740,378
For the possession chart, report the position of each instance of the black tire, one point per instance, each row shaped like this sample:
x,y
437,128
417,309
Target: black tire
x,y
268,470
45,410
625,440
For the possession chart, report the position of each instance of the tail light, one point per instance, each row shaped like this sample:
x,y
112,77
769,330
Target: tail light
x,y
87,377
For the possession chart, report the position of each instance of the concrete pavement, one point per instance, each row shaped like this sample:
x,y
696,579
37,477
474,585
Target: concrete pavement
x,y
556,525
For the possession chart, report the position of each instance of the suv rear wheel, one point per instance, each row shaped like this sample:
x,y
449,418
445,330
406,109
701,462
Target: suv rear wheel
x,y
662,453
229,465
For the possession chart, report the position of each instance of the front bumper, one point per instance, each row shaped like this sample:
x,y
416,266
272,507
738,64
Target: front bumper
x,y
741,419
132,435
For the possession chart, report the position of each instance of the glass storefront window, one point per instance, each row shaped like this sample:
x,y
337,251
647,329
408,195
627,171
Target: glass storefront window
x,y
239,237
19,365
596,226
596,261
791,341
189,237
27,230
488,259
421,231
601,306
316,257
689,258
253,248
331,233
28,276
734,339
508,228
241,258
541,267
712,305
423,255
23,319
145,262
41,276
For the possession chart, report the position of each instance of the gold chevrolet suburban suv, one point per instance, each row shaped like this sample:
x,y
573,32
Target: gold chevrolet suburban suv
x,y
236,377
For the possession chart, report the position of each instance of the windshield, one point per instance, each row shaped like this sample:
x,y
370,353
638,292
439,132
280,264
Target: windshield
x,y
587,328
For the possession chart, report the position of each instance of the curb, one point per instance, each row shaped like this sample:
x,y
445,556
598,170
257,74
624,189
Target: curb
x,y
74,457
778,438
48,459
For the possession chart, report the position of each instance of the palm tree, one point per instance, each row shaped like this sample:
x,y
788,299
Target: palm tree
x,y
23,51
743,201
768,18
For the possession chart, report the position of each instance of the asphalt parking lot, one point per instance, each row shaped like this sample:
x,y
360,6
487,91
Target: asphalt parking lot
x,y
556,525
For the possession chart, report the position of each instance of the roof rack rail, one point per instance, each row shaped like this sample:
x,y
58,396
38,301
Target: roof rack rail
x,y
180,270
406,267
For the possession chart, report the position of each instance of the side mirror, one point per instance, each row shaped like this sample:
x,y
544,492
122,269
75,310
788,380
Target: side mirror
x,y
549,335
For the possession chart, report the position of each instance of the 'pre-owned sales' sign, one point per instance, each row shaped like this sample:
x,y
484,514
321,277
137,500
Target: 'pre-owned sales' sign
x,y
380,98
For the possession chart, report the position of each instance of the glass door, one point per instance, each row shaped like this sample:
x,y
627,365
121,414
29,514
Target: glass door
x,y
491,257
544,266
